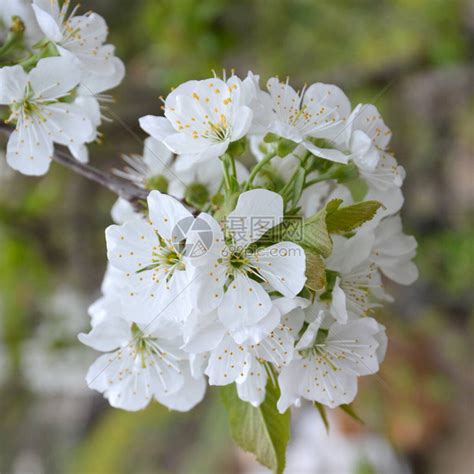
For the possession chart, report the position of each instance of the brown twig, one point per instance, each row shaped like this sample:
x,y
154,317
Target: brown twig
x,y
123,188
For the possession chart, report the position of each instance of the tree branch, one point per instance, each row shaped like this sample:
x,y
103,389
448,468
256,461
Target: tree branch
x,y
123,188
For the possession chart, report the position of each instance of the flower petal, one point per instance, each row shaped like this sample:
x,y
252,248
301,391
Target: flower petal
x,y
242,122
244,304
13,80
169,217
54,77
256,212
67,124
29,149
47,20
158,127
188,396
252,389
130,246
283,267
112,333
227,362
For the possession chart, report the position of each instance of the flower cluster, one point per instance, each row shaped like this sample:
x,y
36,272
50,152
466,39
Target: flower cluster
x,y
274,278
259,256
53,97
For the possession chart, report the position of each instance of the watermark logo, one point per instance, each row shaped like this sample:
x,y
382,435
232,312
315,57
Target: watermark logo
x,y
195,234
264,229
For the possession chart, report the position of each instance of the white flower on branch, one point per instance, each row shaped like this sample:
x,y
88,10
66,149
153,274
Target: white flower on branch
x,y
150,255
202,118
316,112
363,136
393,251
141,363
42,118
330,361
233,278
91,99
80,38
246,363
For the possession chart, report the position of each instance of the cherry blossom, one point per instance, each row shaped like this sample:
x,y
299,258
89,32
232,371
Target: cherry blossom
x,y
79,38
41,118
202,119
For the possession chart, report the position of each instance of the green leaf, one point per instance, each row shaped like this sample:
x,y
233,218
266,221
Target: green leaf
x,y
346,219
262,431
333,205
350,411
322,411
311,233
315,272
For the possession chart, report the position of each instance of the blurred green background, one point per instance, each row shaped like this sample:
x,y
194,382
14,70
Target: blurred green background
x,y
413,59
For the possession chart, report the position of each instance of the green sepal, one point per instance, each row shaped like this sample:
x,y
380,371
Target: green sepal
x,y
322,412
358,188
217,199
285,147
238,147
345,173
270,138
310,233
228,205
197,195
347,408
330,282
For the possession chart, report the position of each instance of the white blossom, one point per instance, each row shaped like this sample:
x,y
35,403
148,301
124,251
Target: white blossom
x,y
364,137
316,112
328,365
41,118
393,251
358,282
202,119
141,363
80,38
247,363
232,278
149,254
22,9
90,98
153,168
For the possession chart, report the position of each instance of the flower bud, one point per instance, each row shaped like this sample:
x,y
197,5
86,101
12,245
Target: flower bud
x,y
196,194
158,182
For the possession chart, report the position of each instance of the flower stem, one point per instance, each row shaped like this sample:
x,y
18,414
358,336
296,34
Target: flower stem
x,y
256,169
330,174
225,171
232,166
